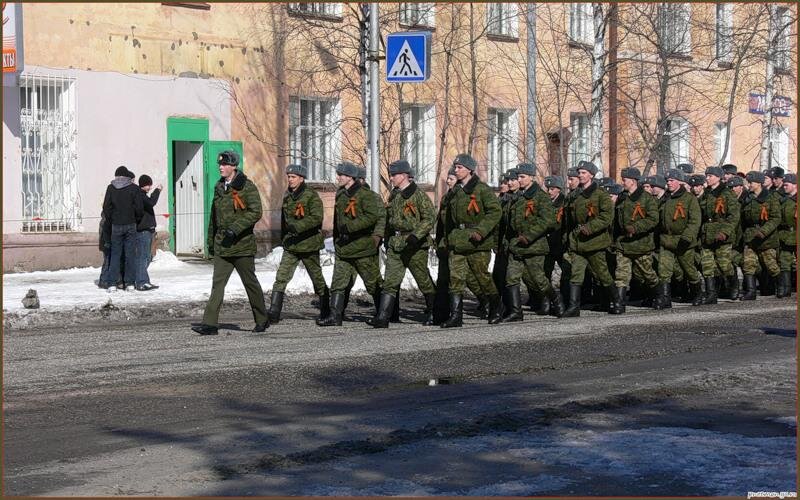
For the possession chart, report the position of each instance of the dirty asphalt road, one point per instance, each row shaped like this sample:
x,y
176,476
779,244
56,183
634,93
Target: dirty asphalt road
x,y
149,408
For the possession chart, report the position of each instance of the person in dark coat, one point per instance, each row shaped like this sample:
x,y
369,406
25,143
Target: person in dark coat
x,y
122,207
145,231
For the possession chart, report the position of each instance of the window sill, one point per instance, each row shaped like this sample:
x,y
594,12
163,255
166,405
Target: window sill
x,y
495,37
574,44
189,5
680,57
725,64
318,17
783,71
418,27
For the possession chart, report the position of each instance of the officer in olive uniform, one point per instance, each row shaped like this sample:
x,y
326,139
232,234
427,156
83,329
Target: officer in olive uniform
x,y
761,216
591,214
680,224
301,237
634,227
788,236
531,219
410,219
354,217
235,210
720,210
473,214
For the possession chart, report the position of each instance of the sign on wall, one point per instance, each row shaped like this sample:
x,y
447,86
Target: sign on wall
x,y
781,106
12,37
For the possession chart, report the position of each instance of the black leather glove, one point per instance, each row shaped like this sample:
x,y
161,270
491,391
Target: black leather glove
x,y
412,240
228,236
344,236
683,245
759,235
291,229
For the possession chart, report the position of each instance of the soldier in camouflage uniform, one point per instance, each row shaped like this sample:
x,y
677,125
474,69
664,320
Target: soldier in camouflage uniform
x,y
720,218
761,216
634,227
531,219
697,183
501,251
740,192
680,219
775,174
591,214
411,218
555,240
301,237
235,210
728,172
788,236
354,217
473,213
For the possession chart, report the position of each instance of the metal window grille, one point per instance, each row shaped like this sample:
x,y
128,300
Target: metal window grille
x,y
724,42
675,30
502,19
581,23
502,143
418,142
579,140
50,197
416,14
674,148
329,9
312,136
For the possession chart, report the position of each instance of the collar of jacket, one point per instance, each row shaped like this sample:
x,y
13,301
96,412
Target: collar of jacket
x,y
559,200
634,196
531,191
298,191
717,191
762,197
237,183
469,187
589,190
678,193
409,191
352,190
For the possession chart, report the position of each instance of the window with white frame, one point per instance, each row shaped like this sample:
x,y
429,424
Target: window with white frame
x,y
783,42
501,19
418,143
417,14
503,135
674,23
326,9
720,135
580,140
48,133
581,23
675,145
780,146
315,135
724,31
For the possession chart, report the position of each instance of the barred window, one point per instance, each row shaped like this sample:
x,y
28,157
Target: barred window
x,y
724,42
580,140
780,146
503,137
783,41
675,144
315,136
417,14
581,23
676,34
418,143
502,19
324,9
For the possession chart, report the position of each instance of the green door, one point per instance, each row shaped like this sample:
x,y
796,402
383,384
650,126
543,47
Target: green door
x,y
212,172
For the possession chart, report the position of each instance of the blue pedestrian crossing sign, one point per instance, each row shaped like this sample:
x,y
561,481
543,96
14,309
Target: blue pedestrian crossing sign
x,y
408,57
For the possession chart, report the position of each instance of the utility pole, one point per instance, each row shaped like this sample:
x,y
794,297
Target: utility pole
x,y
530,127
769,90
374,103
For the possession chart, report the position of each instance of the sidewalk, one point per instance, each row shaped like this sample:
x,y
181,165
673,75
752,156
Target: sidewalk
x,y
71,296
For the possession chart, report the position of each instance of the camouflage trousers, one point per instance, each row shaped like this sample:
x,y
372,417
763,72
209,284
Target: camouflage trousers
x,y
787,258
287,267
597,264
532,268
669,262
768,259
635,266
345,269
717,260
415,261
736,257
246,268
476,264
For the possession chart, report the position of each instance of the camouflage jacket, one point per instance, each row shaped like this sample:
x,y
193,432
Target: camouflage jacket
x,y
301,220
788,228
355,213
556,237
640,211
720,215
531,215
239,209
591,207
473,208
410,211
380,226
506,200
680,219
762,214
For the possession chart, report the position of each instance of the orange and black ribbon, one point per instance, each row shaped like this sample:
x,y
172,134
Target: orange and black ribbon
x,y
238,202
299,211
409,208
530,208
559,214
590,210
719,206
350,209
764,216
473,205
638,210
679,211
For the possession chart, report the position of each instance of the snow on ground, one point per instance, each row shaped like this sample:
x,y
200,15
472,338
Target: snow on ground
x,y
179,281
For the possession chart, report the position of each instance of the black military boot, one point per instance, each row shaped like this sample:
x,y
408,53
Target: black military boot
x,y
395,318
710,297
663,298
784,288
481,310
556,304
385,308
680,291
494,309
338,300
542,305
275,307
696,290
456,318
205,329
261,327
732,286
617,302
430,304
749,285
574,309
514,311
324,304
766,283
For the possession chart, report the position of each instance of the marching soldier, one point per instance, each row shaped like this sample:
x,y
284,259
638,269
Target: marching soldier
x,y
761,216
410,220
740,192
511,181
697,183
301,237
788,236
776,176
473,214
235,210
634,227
592,214
354,217
680,223
729,172
555,240
531,218
720,218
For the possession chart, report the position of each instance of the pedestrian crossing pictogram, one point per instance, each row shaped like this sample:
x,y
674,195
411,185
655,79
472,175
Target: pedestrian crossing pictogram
x,y
408,57
405,64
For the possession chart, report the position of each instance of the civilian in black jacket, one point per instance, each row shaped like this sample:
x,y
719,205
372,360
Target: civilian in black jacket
x,y
144,232
122,206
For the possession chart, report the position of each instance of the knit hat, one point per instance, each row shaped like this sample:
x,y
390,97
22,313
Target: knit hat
x,y
715,171
755,176
145,180
631,173
554,181
348,169
588,166
399,167
526,168
466,161
296,169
